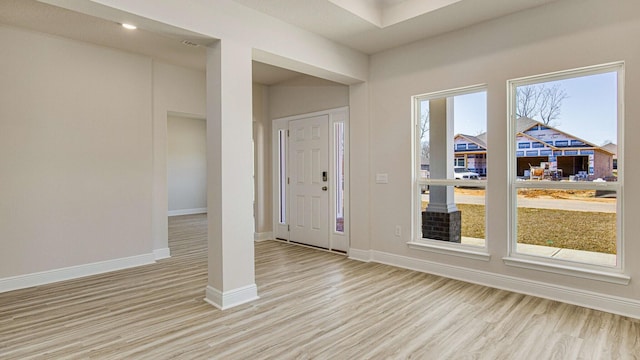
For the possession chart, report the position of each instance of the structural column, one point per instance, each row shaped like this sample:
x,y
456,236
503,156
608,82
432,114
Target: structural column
x,y
359,172
231,275
442,219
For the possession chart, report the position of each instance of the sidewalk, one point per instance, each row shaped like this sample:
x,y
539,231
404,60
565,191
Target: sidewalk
x,y
559,204
582,256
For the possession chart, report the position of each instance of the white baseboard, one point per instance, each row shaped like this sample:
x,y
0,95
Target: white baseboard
x,y
585,298
187,212
160,254
262,236
73,272
229,299
360,255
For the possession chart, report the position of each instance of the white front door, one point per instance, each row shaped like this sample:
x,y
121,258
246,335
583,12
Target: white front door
x,y
308,181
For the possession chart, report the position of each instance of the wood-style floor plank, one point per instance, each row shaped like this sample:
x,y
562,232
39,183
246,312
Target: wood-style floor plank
x,y
313,305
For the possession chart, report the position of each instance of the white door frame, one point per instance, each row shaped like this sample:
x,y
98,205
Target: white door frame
x,y
338,241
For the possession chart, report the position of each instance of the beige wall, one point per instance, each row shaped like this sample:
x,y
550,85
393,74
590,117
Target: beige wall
x,y
304,95
562,35
262,161
75,153
186,164
77,150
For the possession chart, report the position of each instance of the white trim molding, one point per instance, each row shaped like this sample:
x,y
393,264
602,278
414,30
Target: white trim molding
x,y
163,253
581,272
74,272
187,212
461,250
228,299
262,236
360,255
589,299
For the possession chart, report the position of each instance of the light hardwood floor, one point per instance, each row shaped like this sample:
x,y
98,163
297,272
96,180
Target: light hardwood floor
x,y
313,305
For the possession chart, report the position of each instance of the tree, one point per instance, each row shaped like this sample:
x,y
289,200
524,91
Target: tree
x,y
424,130
540,102
527,99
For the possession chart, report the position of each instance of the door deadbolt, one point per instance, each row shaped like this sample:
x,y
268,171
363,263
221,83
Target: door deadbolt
x,y
324,176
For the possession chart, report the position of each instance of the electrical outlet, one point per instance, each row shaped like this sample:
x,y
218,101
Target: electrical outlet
x,y
398,230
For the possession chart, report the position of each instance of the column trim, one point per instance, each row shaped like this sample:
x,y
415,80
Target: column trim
x,y
224,300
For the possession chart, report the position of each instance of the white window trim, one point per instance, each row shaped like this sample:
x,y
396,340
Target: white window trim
x,y
425,244
459,250
340,115
564,266
280,230
568,268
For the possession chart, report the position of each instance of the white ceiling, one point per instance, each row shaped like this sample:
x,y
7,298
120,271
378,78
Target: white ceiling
x,y
158,41
369,26
34,15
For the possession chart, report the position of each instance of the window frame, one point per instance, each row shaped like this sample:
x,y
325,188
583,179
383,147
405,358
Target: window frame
x,y
417,241
555,265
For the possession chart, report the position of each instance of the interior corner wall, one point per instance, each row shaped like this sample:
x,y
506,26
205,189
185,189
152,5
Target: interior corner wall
x,y
186,165
83,133
263,196
178,91
304,95
75,153
537,41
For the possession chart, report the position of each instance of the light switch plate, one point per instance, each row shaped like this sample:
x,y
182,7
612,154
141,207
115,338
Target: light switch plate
x,y
382,178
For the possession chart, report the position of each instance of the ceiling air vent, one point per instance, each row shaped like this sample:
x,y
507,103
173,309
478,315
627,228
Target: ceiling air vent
x,y
189,43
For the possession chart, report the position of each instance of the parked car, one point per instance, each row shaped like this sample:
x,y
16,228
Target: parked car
x,y
465,174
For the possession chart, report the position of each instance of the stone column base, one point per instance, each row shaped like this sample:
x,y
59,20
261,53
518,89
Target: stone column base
x,y
442,226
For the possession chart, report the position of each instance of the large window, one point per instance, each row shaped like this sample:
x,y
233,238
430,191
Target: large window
x,y
566,194
450,168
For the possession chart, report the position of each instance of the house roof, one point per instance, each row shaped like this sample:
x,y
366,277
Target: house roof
x,y
523,124
611,147
480,139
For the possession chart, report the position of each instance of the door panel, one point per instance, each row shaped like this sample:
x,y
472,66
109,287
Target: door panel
x,y
309,150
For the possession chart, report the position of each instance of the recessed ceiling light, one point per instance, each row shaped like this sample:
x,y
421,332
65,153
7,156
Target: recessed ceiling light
x,y
129,26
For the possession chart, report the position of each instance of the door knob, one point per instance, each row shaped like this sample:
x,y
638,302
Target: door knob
x,y
324,188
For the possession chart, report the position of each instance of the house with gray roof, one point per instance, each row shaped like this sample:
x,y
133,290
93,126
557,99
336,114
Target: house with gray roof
x,y
538,145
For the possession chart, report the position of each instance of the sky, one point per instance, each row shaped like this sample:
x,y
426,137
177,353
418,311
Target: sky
x,y
589,112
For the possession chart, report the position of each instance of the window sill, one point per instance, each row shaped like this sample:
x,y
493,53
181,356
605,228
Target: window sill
x,y
448,249
605,276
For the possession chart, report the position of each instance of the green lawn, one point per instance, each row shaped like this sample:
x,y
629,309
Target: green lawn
x,y
590,231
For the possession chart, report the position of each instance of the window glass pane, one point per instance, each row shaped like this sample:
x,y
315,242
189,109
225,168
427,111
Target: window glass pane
x,y
282,176
339,185
452,146
464,222
458,126
567,129
575,225
566,132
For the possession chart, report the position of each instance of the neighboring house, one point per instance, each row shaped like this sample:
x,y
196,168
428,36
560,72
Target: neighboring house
x,y
471,153
537,143
612,148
